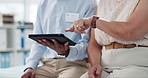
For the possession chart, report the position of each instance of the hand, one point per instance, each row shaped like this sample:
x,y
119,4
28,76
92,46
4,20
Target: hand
x,y
29,73
59,48
80,25
95,71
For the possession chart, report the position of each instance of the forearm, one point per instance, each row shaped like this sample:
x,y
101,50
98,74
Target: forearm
x,y
124,31
35,55
135,27
118,30
94,50
94,55
79,51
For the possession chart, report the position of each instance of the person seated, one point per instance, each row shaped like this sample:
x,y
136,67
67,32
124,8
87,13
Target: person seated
x,y
59,60
118,46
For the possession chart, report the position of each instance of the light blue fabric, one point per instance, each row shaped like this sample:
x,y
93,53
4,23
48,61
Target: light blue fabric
x,y
51,19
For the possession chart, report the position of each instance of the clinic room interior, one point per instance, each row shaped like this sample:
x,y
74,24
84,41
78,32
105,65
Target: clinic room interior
x,y
17,21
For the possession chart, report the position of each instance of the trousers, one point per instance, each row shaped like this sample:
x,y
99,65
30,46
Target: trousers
x,y
124,63
60,68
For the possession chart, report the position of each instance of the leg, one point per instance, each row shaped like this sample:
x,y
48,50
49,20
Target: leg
x,y
45,72
48,70
130,72
103,75
73,72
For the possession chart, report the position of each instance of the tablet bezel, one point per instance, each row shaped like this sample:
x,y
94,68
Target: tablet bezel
x,y
61,38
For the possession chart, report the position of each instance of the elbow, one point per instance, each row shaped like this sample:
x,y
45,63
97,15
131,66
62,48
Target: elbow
x,y
128,34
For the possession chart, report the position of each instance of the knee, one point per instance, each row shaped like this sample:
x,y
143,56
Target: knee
x,y
85,75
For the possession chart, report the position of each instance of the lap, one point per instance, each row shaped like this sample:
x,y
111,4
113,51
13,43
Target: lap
x,y
61,69
129,72
72,72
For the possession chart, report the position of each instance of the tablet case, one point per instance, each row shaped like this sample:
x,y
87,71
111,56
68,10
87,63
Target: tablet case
x,y
59,37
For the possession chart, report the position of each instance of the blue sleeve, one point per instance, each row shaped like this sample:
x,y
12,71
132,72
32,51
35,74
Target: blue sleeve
x,y
79,51
37,50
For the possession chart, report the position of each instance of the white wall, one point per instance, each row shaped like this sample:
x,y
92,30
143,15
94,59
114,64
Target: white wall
x,y
24,10
19,1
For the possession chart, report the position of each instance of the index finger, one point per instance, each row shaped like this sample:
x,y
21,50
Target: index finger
x,y
91,73
80,22
55,42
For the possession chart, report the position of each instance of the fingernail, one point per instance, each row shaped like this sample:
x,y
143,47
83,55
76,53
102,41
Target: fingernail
x,y
39,41
43,39
67,43
52,39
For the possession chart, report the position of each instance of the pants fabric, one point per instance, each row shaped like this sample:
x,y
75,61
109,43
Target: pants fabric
x,y
60,68
124,63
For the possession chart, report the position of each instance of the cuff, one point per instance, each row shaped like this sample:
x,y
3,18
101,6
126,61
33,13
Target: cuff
x,y
31,64
72,54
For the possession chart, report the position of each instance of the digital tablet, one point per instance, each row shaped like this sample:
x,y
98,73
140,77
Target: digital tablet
x,y
61,38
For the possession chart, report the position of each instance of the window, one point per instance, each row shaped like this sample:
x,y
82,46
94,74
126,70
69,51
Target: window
x,y
17,9
23,10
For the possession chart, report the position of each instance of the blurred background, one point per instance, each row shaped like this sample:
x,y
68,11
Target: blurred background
x,y
16,22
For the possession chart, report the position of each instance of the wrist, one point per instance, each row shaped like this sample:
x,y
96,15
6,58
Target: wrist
x,y
28,68
93,21
67,52
95,65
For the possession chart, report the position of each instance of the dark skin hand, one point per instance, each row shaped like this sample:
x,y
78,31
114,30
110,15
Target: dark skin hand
x,y
29,73
61,49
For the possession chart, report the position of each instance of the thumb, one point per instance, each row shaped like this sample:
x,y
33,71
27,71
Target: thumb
x,y
66,45
71,29
98,71
33,75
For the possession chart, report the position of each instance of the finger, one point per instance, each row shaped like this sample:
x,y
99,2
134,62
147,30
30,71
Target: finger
x,y
80,22
33,75
84,27
91,73
56,43
66,45
81,32
38,42
26,76
49,44
99,70
78,29
22,76
98,77
81,28
76,26
42,42
91,76
71,29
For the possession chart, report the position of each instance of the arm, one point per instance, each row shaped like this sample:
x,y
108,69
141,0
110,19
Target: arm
x,y
79,51
134,28
94,50
94,54
36,52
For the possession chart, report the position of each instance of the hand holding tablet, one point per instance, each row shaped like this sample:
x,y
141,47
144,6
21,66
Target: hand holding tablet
x,y
59,37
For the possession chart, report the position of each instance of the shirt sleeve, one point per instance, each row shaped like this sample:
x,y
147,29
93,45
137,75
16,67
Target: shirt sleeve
x,y
79,51
37,50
